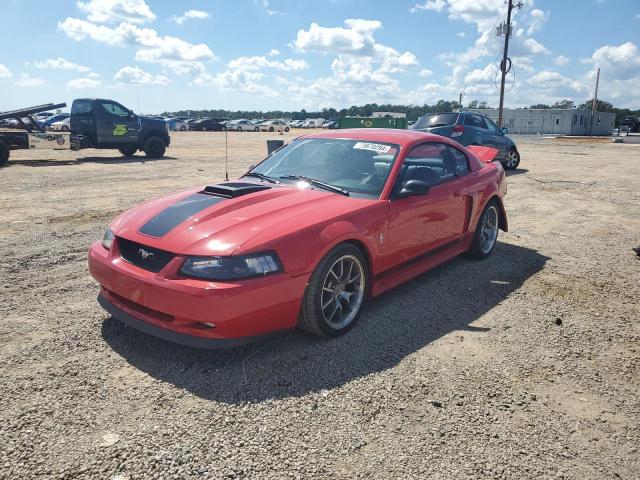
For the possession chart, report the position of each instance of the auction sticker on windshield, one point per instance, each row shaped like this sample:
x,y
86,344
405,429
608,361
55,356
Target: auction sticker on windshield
x,y
374,147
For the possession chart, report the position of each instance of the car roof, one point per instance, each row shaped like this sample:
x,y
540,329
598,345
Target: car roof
x,y
388,135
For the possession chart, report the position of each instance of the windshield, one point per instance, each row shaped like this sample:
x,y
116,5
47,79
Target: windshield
x,y
357,166
436,120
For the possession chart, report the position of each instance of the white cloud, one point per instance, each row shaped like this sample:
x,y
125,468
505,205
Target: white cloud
x,y
482,75
115,11
257,62
356,39
190,14
170,51
273,53
436,5
561,60
137,76
26,80
555,82
61,64
84,83
5,72
538,18
461,34
246,81
267,6
425,73
621,62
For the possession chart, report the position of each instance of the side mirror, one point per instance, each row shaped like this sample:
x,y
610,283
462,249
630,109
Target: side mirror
x,y
504,130
412,188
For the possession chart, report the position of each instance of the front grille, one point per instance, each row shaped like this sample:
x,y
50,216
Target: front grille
x,y
135,253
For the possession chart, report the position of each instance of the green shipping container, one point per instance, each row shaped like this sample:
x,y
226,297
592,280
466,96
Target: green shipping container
x,y
360,122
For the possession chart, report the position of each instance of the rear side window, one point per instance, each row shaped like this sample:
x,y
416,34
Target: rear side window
x,y
436,120
460,161
81,107
474,121
430,162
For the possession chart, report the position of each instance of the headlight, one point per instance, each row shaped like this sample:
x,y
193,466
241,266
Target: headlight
x,y
107,240
232,268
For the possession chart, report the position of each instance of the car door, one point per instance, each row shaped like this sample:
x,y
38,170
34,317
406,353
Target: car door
x,y
423,223
116,125
495,138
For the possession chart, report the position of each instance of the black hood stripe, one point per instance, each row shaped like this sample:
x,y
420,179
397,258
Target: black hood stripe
x,y
177,213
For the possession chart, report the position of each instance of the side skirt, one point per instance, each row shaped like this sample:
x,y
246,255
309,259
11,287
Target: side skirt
x,y
404,272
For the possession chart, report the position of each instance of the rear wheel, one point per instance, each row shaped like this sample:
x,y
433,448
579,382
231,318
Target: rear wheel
x,y
154,147
4,154
203,128
65,128
128,151
512,160
286,129
271,129
336,292
239,129
486,234
257,129
183,128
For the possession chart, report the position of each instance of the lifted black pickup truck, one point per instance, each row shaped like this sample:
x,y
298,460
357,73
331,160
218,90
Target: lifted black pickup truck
x,y
100,123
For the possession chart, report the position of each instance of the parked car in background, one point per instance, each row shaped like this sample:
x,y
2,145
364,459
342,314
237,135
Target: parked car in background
x,y
471,128
295,123
273,126
330,124
207,124
61,126
242,126
46,122
175,124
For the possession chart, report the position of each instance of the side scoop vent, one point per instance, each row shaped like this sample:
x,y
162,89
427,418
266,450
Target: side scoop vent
x,y
234,189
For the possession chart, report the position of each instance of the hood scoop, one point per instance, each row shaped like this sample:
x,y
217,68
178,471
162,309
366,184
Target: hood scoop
x,y
234,189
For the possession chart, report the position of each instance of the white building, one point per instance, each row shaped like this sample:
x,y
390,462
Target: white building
x,y
553,121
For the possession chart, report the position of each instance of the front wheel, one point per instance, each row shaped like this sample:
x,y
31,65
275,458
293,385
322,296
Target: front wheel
x,y
336,292
183,129
512,160
128,151
65,128
271,129
154,147
239,129
204,129
486,234
286,129
257,129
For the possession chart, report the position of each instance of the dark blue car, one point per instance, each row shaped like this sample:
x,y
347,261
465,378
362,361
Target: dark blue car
x,y
471,128
46,123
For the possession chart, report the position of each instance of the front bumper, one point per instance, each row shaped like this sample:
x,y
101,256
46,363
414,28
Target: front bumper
x,y
169,306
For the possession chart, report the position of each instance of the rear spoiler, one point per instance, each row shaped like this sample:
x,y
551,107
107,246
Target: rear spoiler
x,y
485,154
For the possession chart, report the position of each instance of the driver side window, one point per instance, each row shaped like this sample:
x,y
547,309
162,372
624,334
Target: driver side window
x,y
115,109
428,162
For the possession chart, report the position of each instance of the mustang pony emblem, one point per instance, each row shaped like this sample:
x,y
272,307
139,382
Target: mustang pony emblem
x,y
144,253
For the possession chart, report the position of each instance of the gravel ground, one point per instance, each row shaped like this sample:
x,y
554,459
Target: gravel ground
x,y
522,366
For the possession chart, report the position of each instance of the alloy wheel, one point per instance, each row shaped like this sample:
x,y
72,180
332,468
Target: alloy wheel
x,y
511,159
489,229
343,291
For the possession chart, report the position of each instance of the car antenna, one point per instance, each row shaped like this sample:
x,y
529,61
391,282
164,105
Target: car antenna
x,y
226,155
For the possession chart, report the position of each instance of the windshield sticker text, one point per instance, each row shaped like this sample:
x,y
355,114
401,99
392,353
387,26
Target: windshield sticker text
x,y
374,147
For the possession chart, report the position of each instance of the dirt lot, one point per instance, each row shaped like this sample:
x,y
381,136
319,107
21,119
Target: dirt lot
x,y
523,366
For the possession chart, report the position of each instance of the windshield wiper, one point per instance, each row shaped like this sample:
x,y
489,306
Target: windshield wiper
x,y
261,176
316,183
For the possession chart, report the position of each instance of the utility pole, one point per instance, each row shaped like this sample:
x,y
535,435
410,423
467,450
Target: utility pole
x,y
460,100
505,57
595,101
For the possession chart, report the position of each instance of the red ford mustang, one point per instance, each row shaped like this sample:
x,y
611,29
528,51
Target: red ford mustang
x,y
300,240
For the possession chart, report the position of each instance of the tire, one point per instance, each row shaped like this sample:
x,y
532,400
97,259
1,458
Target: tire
x,y
328,285
4,154
154,147
511,160
486,234
286,129
128,151
271,129
64,128
203,129
257,129
183,129
239,129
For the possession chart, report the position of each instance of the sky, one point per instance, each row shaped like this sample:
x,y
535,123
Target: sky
x,y
156,56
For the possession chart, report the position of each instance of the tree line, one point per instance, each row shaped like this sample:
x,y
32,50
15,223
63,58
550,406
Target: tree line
x,y
413,112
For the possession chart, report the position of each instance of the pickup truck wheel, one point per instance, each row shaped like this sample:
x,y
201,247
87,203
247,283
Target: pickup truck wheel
x,y
154,147
336,292
4,154
511,159
128,151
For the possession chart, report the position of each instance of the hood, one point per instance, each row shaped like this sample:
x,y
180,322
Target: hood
x,y
197,222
